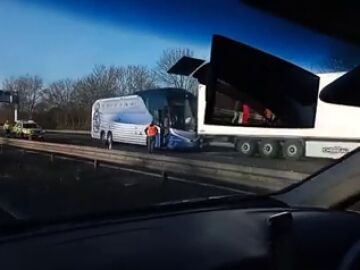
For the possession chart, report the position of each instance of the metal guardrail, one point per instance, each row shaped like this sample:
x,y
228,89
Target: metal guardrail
x,y
64,131
68,131
231,173
88,133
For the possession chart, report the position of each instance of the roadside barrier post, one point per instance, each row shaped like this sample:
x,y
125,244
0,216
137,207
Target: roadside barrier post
x,y
96,163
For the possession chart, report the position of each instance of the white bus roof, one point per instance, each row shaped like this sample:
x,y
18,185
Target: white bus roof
x,y
117,98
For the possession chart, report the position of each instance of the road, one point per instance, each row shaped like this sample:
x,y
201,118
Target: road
x,y
33,187
213,153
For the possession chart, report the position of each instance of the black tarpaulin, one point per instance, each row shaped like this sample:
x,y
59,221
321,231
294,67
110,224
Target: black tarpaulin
x,y
288,90
186,66
345,90
189,66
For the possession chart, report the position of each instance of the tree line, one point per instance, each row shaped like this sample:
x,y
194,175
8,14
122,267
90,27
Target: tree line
x,y
66,103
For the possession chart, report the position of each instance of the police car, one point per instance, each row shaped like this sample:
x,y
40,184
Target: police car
x,y
27,129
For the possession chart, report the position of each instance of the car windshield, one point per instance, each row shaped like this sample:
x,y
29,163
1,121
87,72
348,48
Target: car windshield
x,y
142,103
30,125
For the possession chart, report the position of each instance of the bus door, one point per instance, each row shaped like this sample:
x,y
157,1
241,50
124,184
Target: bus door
x,y
158,119
164,124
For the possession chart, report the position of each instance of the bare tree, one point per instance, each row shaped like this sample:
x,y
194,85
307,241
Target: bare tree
x,y
335,64
135,78
58,102
101,83
59,93
340,59
67,103
167,60
29,90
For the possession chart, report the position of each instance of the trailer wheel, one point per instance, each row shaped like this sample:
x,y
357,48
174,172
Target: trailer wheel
x,y
109,140
247,148
269,148
103,140
293,150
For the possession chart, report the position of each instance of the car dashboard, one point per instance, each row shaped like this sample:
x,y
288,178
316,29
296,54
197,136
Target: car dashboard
x,y
217,238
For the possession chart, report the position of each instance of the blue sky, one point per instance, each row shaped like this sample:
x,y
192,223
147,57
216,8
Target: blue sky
x,y
60,39
56,45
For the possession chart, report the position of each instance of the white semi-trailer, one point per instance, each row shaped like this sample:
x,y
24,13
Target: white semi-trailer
x,y
299,123
335,133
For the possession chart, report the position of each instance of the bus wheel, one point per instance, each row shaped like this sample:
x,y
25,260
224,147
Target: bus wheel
x,y
201,144
103,140
247,148
269,148
293,149
109,140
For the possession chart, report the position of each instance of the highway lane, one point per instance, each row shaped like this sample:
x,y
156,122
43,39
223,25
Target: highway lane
x,y
214,153
33,187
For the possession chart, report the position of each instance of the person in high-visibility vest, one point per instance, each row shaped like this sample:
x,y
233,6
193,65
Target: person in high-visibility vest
x,y
151,133
6,128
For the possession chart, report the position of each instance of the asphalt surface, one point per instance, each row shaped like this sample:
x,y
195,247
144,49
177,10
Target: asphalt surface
x,y
212,153
33,187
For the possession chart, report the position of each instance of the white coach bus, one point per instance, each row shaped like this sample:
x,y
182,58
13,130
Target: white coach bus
x,y
124,119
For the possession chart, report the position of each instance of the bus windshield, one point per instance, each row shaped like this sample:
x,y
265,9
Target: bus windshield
x,y
182,112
